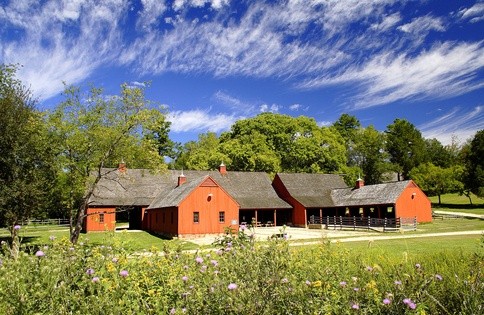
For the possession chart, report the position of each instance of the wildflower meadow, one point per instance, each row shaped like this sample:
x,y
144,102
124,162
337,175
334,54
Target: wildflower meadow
x,y
239,276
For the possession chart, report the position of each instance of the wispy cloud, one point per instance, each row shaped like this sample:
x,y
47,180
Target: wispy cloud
x,y
456,123
235,104
50,55
474,14
444,70
200,121
423,24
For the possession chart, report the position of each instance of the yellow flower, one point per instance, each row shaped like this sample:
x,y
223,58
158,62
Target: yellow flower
x,y
316,284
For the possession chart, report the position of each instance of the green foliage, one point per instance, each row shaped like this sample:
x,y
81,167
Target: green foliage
x,y
435,180
474,164
269,278
370,153
25,160
405,146
91,132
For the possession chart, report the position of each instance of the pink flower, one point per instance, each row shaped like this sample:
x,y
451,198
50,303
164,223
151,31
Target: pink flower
x,y
232,286
123,273
95,279
199,260
40,253
355,306
386,301
90,271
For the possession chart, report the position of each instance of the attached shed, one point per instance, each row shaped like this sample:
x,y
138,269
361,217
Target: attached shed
x,y
196,207
308,194
403,199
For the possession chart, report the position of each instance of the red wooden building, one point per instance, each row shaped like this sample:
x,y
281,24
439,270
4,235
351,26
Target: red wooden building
x,y
326,195
206,202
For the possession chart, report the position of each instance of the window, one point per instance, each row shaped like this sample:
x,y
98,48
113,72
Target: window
x,y
101,218
196,217
389,209
221,217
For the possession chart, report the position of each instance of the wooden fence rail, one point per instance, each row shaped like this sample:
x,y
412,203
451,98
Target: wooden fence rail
x,y
387,224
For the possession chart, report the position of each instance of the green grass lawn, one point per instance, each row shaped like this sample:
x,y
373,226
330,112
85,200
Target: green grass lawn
x,y
458,200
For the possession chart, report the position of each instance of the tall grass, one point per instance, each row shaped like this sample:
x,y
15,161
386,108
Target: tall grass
x,y
240,277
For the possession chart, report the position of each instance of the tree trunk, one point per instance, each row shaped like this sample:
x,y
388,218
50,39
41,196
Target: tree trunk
x,y
440,202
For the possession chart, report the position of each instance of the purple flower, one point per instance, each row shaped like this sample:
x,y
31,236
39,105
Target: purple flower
x,y
418,266
199,260
95,279
243,227
410,303
406,301
114,260
355,306
356,289
52,237
342,283
123,273
40,253
308,282
185,278
397,282
203,268
90,271
229,244
16,227
232,286
214,262
172,311
220,252
284,280
438,277
386,301
368,268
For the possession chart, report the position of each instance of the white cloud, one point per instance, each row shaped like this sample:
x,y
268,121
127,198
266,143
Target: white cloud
x,y
474,14
423,24
49,55
295,107
200,121
324,123
215,4
445,70
388,22
152,12
274,108
457,123
234,103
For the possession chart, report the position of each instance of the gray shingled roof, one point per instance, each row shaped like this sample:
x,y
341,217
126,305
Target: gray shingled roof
x,y
173,196
312,190
137,187
379,194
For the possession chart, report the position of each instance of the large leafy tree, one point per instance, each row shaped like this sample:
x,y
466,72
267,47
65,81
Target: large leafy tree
x,y
474,165
348,127
370,154
92,132
405,145
26,175
438,154
203,154
436,180
298,143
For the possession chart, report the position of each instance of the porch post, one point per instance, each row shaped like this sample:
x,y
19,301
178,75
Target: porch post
x,y
256,219
275,217
321,215
305,218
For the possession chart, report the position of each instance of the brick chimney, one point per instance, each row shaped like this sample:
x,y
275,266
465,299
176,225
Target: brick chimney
x,y
222,169
181,179
359,183
122,167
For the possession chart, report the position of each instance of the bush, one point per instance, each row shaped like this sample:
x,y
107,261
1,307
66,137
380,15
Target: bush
x,y
240,277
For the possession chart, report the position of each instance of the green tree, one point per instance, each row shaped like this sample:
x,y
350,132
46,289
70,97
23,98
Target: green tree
x,y
203,154
405,145
25,160
92,132
474,165
348,127
435,180
370,154
437,154
298,143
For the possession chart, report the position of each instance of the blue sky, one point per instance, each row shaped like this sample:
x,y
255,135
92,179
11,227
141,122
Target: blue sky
x,y
212,62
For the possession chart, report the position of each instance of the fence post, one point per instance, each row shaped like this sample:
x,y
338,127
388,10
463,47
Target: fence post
x,y
369,223
340,222
384,224
354,223
327,222
415,223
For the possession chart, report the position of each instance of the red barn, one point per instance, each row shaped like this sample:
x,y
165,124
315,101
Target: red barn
x,y
197,207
